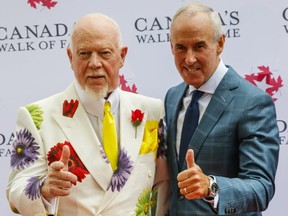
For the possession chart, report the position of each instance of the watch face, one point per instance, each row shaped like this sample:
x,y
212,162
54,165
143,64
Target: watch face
x,y
214,188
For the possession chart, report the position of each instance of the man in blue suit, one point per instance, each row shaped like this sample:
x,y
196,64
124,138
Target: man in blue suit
x,y
230,163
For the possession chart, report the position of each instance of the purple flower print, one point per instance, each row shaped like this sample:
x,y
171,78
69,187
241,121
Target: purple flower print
x,y
122,173
24,150
32,189
162,148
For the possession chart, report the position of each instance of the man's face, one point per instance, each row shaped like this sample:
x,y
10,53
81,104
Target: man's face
x,y
196,54
96,59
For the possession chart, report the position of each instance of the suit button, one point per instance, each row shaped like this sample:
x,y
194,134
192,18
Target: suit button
x,y
150,174
180,197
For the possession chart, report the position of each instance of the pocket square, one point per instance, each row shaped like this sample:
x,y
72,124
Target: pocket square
x,y
150,137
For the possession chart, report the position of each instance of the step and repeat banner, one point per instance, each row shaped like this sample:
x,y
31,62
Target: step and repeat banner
x,y
34,35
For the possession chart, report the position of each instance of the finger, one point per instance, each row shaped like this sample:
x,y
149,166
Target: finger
x,y
65,156
190,158
58,191
56,166
57,172
61,183
52,188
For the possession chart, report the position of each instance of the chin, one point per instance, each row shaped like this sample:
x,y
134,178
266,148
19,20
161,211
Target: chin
x,y
97,92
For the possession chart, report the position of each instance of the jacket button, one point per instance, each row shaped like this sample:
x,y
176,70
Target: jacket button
x,y
150,174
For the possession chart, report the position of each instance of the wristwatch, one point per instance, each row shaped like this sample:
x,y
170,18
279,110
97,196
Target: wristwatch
x,y
213,187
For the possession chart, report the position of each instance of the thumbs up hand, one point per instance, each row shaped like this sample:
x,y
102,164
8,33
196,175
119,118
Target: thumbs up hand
x,y
193,183
59,180
190,159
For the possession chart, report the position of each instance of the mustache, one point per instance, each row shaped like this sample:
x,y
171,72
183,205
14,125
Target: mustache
x,y
96,74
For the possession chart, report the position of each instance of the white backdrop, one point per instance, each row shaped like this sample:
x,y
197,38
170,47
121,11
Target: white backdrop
x,y
34,64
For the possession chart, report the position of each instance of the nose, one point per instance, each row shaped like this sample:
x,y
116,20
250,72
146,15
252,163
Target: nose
x,y
190,57
95,61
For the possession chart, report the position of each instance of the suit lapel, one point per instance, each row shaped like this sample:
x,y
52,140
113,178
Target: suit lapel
x,y
219,101
82,137
174,107
128,138
128,141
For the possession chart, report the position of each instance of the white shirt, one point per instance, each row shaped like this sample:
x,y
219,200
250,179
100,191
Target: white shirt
x,y
95,108
208,88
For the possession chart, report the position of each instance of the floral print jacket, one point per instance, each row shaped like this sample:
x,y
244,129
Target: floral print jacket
x,y
44,127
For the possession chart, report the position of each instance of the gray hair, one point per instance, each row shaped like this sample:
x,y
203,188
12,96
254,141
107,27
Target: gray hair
x,y
191,9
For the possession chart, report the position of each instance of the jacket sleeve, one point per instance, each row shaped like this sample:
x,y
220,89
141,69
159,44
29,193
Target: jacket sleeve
x,y
28,165
253,188
162,176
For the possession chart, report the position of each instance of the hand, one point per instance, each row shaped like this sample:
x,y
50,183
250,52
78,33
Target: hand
x,y
193,183
59,180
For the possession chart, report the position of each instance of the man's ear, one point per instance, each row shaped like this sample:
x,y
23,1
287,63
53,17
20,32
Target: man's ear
x,y
171,46
220,44
69,54
124,51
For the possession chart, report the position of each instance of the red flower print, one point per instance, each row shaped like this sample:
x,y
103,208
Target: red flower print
x,y
70,108
75,165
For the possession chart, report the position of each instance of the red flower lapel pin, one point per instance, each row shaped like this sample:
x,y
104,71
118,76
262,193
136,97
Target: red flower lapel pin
x,y
136,119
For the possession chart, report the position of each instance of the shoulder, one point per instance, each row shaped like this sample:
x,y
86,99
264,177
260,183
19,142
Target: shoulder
x,y
151,106
244,87
180,88
56,100
175,93
138,97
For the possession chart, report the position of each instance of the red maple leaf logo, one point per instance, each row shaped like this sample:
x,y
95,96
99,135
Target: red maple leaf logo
x,y
125,87
45,3
265,75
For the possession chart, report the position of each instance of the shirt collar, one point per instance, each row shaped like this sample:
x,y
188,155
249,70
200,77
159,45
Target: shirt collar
x,y
213,82
95,106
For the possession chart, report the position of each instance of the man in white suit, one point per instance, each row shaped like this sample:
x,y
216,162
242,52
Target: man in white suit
x,y
58,163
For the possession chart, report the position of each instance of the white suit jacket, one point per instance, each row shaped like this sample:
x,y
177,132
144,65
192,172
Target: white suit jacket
x,y
44,126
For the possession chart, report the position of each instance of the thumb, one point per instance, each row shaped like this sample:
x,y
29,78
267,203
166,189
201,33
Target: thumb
x,y
65,156
190,158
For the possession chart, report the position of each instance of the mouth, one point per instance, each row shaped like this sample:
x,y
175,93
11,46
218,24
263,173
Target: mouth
x,y
96,80
191,69
98,76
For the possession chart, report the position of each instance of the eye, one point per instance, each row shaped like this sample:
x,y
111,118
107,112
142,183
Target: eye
x,y
106,54
84,54
179,47
199,46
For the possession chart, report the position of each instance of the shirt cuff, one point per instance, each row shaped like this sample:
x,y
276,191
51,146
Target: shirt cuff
x,y
51,206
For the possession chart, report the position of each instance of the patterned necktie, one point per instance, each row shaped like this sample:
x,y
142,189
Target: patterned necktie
x,y
110,143
190,123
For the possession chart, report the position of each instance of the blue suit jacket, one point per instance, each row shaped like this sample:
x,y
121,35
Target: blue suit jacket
x,y
237,140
